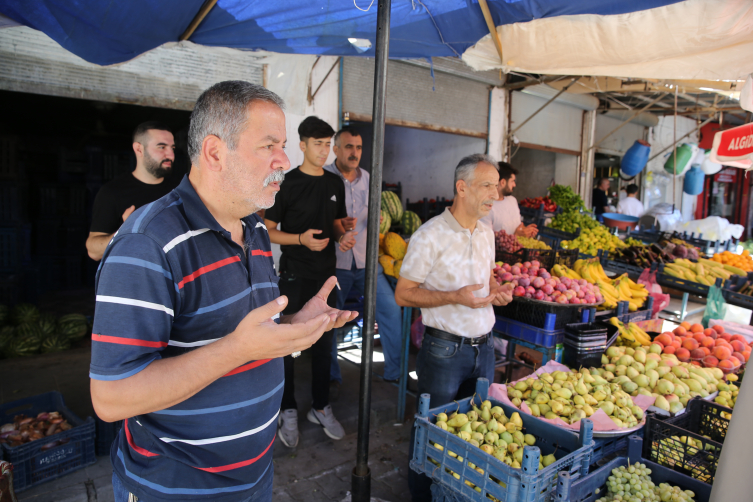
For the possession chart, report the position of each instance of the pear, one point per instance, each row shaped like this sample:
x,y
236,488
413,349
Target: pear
x,y
617,422
466,427
547,378
478,437
577,415
588,410
638,367
662,403
614,351
486,404
629,351
581,388
538,385
640,356
530,440
556,386
442,425
651,364
535,411
491,437
521,386
441,417
464,435
549,459
492,425
544,409
512,447
560,375
579,400
644,391
458,420
550,415
620,370
630,386
588,378
556,407
486,414
474,442
482,428
653,377
564,393
607,375
542,398
631,373
475,424
518,455
680,372
626,360
516,401
472,416
502,420
674,407
487,448
515,418
599,396
515,464
501,444
607,406
510,426
641,381
663,370
637,412
665,387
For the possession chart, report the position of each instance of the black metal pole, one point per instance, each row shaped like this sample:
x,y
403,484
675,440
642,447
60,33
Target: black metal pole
x,y
361,476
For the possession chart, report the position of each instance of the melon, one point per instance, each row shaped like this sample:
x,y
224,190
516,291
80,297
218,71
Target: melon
x,y
411,222
21,347
48,325
394,245
74,327
391,204
396,268
386,222
7,333
388,264
55,343
24,313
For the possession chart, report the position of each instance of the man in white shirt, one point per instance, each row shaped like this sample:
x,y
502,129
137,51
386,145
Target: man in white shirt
x,y
630,205
505,213
447,273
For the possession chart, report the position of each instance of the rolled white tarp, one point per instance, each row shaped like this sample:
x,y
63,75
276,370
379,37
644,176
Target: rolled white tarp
x,y
694,39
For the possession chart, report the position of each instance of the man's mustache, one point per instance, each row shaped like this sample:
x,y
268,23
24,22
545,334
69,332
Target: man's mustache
x,y
275,177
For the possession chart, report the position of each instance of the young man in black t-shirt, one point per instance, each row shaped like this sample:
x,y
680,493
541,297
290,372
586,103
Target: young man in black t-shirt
x,y
307,205
154,147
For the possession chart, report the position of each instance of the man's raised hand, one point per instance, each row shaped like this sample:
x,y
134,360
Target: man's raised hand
x,y
318,306
311,242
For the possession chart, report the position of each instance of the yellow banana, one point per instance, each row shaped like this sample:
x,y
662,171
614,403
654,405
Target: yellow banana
x,y
735,270
624,290
640,335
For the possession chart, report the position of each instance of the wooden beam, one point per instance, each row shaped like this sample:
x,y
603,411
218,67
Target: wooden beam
x,y
208,4
359,117
532,146
492,29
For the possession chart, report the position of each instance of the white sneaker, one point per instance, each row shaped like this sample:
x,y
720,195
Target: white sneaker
x,y
327,420
287,421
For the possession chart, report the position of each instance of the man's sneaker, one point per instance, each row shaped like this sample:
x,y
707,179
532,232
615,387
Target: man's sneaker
x,y
328,422
287,422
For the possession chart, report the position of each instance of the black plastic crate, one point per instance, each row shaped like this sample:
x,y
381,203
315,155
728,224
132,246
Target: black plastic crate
x,y
545,257
618,267
535,314
106,434
701,418
694,288
567,257
50,458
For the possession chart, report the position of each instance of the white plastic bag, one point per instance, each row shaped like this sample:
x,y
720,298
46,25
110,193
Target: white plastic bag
x,y
713,228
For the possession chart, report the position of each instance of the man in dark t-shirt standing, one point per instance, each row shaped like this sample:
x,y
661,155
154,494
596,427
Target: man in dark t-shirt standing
x,y
154,147
309,202
599,198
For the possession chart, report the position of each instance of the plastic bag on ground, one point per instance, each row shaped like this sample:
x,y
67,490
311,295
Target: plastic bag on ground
x,y
716,307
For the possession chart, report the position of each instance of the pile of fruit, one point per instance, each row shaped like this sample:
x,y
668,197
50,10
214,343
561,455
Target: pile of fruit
x,y
532,281
704,271
573,395
710,347
564,196
615,290
25,429
531,243
677,247
392,250
671,453
591,240
646,371
25,331
640,254
392,213
728,394
489,429
571,221
742,261
634,483
536,202
508,243
631,335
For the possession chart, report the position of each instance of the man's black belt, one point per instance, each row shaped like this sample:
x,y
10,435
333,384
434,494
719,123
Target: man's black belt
x,y
444,335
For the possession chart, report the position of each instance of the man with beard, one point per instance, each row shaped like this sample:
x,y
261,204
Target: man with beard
x,y
154,147
309,203
188,339
351,256
505,215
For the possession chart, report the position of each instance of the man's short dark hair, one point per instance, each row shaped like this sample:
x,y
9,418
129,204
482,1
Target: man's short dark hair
x,y
143,127
314,127
506,171
347,129
631,189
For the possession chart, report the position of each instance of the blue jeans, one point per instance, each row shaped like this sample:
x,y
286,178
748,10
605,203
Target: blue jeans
x,y
388,317
447,371
121,493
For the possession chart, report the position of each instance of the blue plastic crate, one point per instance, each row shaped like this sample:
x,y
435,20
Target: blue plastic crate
x,y
47,459
583,489
528,484
527,333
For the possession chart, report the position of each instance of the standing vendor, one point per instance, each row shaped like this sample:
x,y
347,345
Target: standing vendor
x,y
505,213
447,273
630,205
599,198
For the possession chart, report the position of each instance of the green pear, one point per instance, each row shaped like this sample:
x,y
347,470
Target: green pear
x,y
662,403
607,406
535,410
472,416
548,460
441,417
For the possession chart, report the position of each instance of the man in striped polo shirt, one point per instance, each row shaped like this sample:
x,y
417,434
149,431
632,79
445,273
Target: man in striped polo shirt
x,y
187,338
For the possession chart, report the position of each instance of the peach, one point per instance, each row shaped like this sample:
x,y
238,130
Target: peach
x,y
683,354
677,343
737,345
690,343
739,337
680,331
722,353
665,339
696,328
720,341
707,342
706,350
710,362
726,366
697,354
739,357
709,331
718,328
699,337
746,354
696,363
669,349
726,336
735,362
685,325
714,335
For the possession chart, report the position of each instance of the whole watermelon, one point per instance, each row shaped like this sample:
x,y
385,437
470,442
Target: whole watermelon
x,y
411,222
55,343
7,333
386,222
74,327
21,347
48,325
4,315
391,203
24,313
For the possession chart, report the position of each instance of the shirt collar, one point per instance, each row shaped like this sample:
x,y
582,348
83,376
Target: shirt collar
x,y
197,214
452,222
333,169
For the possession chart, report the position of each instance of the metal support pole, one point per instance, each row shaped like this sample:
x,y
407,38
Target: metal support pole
x,y
626,122
361,475
680,139
404,355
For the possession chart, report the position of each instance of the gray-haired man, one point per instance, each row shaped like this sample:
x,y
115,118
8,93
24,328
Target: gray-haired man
x,y
447,273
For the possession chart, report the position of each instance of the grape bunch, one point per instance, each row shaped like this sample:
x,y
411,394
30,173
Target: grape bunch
x,y
531,243
506,242
633,484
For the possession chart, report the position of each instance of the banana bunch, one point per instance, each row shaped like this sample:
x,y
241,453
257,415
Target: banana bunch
x,y
565,271
704,271
630,335
619,289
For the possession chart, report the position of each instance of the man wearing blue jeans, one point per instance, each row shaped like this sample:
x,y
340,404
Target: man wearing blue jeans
x,y
351,254
447,273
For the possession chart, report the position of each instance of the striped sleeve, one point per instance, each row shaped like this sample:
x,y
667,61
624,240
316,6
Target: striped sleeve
x,y
136,297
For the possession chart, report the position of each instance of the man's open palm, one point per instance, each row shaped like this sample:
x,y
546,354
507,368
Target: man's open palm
x,y
318,306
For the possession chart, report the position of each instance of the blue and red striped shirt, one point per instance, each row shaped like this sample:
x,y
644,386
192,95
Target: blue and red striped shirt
x,y
172,280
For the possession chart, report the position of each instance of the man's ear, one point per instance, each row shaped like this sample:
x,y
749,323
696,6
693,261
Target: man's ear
x,y
302,146
213,153
138,149
460,186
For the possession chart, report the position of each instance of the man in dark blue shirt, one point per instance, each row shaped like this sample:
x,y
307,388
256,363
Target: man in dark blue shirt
x,y
188,341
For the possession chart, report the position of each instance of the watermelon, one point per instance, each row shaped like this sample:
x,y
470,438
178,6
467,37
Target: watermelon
x,y
386,222
73,327
391,204
48,325
24,313
7,333
55,343
4,315
411,222
21,347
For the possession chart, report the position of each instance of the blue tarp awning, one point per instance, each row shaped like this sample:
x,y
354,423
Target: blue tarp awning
x,y
113,32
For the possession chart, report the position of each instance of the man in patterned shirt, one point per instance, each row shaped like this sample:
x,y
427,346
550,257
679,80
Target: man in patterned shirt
x,y
447,272
187,342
